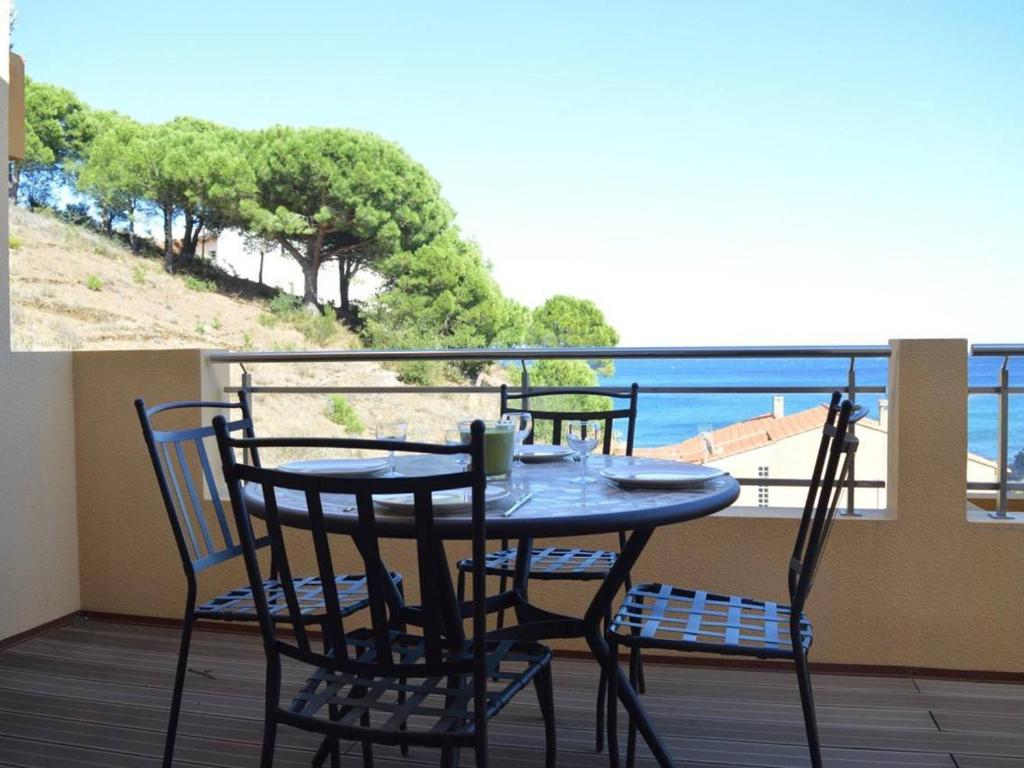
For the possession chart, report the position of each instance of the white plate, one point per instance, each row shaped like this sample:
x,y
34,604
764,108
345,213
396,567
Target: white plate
x,y
539,453
445,502
655,476
337,467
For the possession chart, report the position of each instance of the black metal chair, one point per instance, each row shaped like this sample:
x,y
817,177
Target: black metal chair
x,y
204,542
665,617
562,563
381,684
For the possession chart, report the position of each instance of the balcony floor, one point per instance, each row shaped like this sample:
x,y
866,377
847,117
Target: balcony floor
x,y
94,694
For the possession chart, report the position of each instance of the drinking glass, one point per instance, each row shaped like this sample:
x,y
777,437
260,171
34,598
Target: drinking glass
x,y
583,437
392,432
455,436
523,424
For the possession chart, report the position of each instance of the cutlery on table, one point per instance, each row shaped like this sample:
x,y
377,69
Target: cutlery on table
x,y
517,504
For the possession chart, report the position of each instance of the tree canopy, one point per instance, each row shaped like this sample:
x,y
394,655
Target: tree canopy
x,y
333,194
443,295
321,195
114,170
58,127
199,170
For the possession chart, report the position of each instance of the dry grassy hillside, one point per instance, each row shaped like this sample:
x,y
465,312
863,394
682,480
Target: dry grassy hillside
x,y
74,289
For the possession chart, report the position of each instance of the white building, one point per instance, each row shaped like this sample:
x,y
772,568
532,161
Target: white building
x,y
775,445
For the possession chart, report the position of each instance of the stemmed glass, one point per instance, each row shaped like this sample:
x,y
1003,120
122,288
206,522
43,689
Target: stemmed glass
x,y
583,437
524,426
456,436
392,432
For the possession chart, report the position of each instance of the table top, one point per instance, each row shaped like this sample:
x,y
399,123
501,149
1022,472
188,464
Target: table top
x,y
557,508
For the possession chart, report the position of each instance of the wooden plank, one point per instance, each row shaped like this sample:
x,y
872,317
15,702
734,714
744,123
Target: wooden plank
x,y
976,761
969,722
96,693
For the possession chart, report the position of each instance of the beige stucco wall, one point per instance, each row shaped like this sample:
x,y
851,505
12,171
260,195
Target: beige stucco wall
x,y
38,527
924,588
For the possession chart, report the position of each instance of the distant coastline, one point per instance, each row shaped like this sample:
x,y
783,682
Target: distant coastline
x,y
670,419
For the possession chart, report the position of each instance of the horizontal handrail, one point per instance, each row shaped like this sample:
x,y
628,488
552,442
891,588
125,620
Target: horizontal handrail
x,y
550,353
455,389
997,350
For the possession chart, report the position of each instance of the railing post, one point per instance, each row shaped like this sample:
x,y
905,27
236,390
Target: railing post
x,y
247,389
851,393
1004,441
524,382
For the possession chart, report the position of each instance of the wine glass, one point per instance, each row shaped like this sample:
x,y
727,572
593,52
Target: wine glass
x,y
523,422
456,436
392,432
583,437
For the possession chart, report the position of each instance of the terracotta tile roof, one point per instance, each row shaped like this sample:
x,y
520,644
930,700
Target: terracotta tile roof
x,y
739,437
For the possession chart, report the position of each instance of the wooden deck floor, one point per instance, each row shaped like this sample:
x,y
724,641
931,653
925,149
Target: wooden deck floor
x,y
95,693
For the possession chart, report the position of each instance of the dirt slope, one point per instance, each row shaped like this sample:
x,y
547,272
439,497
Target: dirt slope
x,y
74,289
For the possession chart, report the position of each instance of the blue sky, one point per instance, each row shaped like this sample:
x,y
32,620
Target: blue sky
x,y
698,169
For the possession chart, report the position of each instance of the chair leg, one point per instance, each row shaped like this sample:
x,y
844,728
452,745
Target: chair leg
x,y
272,698
461,589
613,707
545,687
803,675
179,683
634,674
602,687
482,756
269,740
450,757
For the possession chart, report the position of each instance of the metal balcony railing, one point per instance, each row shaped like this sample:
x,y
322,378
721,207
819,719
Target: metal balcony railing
x,y
1003,485
522,355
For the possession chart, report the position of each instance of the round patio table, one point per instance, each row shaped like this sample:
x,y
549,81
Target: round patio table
x,y
557,509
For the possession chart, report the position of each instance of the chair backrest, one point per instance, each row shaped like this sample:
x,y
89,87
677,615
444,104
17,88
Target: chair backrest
x,y
625,400
828,481
202,542
438,613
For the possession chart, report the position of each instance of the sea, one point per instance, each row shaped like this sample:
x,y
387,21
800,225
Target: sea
x,y
664,419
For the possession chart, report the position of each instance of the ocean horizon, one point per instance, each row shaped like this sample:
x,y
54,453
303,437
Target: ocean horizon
x,y
665,419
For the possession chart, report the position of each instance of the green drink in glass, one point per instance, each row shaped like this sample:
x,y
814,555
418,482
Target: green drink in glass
x,y
499,443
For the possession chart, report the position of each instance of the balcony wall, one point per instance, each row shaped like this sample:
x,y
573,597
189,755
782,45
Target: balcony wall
x,y
38,535
918,586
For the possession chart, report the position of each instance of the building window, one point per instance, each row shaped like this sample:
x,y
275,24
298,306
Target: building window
x,y
762,490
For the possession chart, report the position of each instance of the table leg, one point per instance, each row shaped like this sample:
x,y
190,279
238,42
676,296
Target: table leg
x,y
594,635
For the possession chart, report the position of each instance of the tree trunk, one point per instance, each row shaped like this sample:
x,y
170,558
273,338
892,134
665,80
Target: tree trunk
x,y
310,273
259,279
311,268
169,263
188,249
344,281
108,222
133,241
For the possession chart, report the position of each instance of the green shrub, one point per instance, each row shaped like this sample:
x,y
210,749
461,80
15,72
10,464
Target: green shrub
x,y
93,283
321,329
14,243
215,323
341,413
199,285
247,341
422,373
284,305
200,327
139,274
